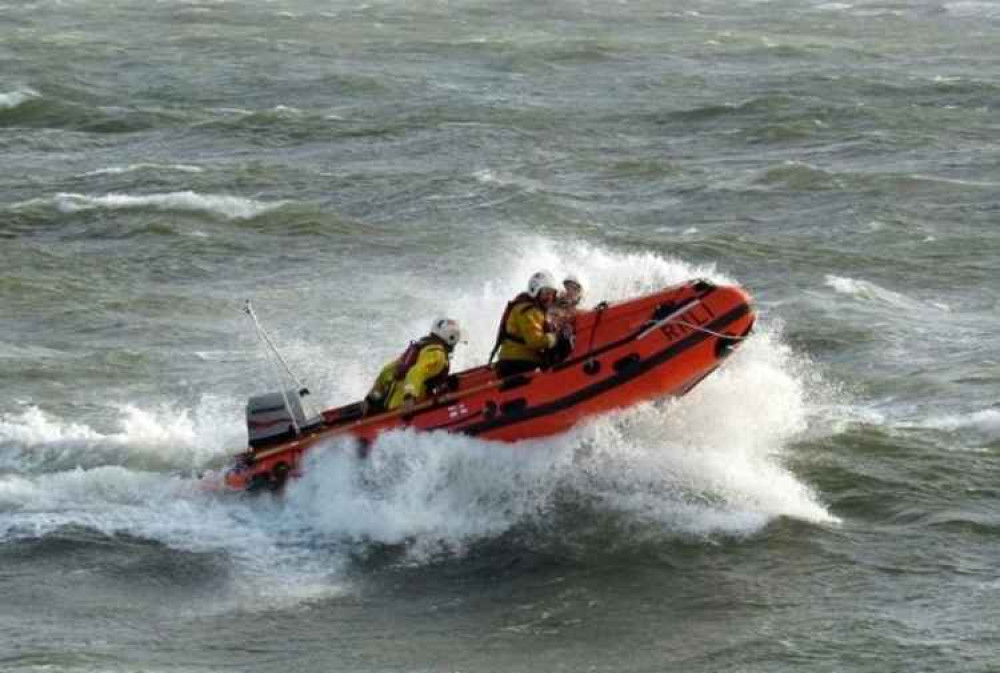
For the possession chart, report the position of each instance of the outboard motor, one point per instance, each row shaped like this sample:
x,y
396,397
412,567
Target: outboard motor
x,y
269,421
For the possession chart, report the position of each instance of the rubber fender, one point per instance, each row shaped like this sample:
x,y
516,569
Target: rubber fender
x,y
627,363
514,407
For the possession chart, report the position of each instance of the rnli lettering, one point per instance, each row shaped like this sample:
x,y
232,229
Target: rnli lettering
x,y
698,315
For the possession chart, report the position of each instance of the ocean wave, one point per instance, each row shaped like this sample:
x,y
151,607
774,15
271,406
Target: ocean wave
x,y
28,108
277,112
131,168
13,99
701,466
973,9
985,422
758,105
915,181
160,438
231,207
798,175
263,566
868,291
23,351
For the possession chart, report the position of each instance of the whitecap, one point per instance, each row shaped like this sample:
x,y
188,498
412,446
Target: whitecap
x,y
131,168
161,436
12,99
287,110
179,513
973,9
985,422
868,291
233,207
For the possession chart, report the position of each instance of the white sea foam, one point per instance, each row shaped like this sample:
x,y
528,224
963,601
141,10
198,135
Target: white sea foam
x,y
985,422
707,464
287,110
23,351
233,207
182,515
868,291
131,168
162,437
12,99
508,179
984,184
973,9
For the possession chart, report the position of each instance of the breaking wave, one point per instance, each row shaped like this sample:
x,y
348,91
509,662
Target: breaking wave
x,y
13,99
868,291
231,207
161,438
132,168
707,464
984,423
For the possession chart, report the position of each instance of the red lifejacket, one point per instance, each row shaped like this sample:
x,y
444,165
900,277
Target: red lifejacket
x,y
410,356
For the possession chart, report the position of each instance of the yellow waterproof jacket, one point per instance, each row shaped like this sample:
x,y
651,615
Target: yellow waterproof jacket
x,y
525,337
431,365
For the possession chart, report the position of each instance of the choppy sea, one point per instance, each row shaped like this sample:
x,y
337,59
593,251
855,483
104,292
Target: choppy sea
x,y
828,501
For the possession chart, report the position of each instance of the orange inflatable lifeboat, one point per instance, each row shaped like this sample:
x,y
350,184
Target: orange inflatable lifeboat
x,y
657,345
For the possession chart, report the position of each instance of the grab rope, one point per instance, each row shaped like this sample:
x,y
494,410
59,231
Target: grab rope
x,y
699,328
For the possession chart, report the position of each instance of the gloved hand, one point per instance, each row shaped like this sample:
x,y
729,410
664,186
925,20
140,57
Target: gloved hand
x,y
408,403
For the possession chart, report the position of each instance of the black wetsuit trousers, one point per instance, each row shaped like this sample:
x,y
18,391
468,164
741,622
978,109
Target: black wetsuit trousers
x,y
505,368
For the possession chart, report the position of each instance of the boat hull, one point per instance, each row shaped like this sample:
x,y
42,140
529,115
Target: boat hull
x,y
661,344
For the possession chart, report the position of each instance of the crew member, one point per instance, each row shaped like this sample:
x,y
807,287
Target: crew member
x,y
564,308
418,372
525,337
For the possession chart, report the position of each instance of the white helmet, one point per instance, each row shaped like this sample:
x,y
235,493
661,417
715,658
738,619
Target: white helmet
x,y
572,278
447,330
541,280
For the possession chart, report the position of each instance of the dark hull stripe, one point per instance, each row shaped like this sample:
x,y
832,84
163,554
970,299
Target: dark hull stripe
x,y
609,383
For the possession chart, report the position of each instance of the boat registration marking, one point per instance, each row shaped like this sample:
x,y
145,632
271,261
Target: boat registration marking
x,y
457,410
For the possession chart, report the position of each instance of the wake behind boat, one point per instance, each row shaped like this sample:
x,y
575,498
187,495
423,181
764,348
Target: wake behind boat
x,y
657,345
